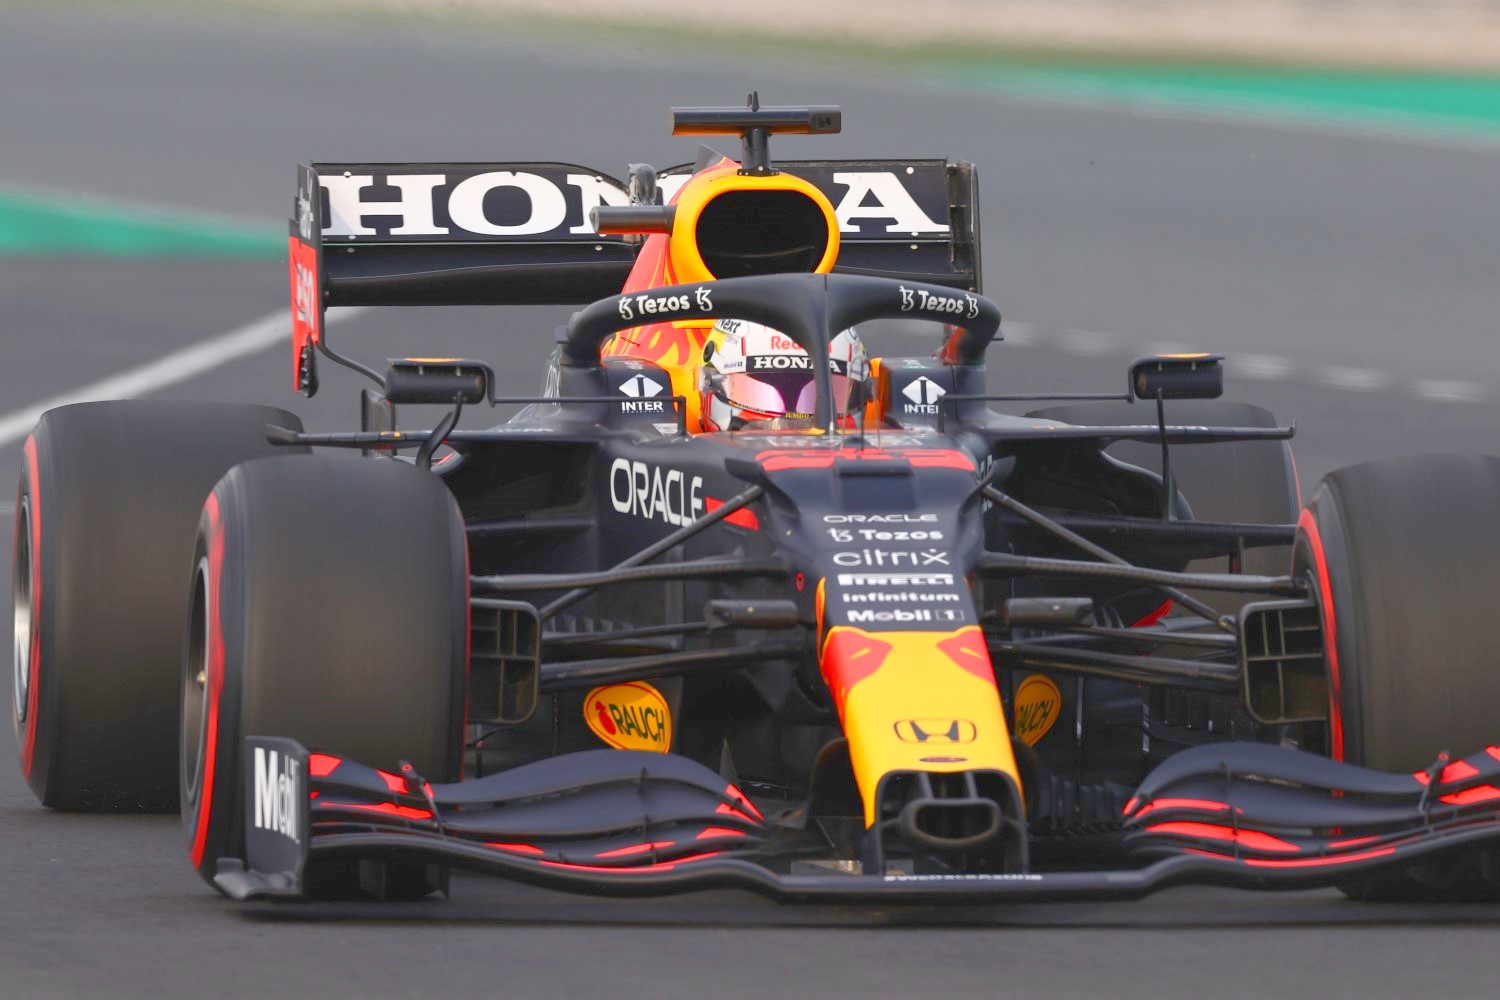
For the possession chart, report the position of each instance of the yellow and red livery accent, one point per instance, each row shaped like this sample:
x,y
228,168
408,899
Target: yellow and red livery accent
x,y
881,680
672,259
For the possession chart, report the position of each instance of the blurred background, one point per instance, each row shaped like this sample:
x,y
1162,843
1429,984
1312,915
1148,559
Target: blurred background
x,y
1307,186
1304,185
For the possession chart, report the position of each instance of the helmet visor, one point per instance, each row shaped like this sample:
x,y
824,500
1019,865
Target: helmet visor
x,y
780,393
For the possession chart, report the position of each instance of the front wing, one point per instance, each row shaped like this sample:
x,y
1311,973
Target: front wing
x,y
625,823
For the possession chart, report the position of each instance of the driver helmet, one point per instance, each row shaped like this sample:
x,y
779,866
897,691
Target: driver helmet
x,y
752,374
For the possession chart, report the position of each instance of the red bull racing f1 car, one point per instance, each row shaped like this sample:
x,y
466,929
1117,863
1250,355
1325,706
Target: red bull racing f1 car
x,y
729,603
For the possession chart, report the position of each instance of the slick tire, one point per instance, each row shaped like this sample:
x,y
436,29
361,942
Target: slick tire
x,y
1400,555
1249,482
106,509
330,605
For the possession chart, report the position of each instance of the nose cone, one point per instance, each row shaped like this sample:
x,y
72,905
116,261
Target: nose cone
x,y
916,701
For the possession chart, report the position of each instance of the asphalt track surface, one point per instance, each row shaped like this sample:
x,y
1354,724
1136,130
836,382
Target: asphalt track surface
x,y
1331,250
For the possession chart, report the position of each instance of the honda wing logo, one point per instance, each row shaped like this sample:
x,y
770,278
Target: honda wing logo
x,y
931,731
533,201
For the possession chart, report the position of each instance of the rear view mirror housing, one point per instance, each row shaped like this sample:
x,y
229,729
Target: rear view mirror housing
x,y
1178,376
438,380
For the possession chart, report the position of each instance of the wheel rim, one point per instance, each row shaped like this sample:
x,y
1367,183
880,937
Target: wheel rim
x,y
194,687
21,589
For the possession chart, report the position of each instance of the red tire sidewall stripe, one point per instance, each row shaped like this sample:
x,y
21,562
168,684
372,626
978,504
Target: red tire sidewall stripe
x,y
34,656
215,679
1309,527
463,724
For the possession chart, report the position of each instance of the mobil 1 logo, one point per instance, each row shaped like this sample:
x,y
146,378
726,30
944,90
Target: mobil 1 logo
x,y
906,616
276,800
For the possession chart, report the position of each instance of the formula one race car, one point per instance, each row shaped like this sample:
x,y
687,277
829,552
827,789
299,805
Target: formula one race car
x,y
711,610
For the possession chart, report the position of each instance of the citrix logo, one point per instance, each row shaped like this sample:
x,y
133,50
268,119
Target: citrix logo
x,y
880,557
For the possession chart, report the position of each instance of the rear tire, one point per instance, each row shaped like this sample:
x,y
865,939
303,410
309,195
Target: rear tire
x,y
105,512
330,605
1399,555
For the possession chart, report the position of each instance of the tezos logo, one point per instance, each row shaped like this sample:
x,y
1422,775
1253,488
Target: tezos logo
x,y
277,793
646,304
876,535
947,305
648,491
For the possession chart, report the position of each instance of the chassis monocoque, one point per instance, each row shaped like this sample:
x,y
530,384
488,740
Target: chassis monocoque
x,y
933,651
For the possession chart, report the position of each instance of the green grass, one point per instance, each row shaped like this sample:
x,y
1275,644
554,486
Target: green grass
x,y
34,224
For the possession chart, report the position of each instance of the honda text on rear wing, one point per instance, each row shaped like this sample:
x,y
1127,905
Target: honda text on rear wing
x,y
524,233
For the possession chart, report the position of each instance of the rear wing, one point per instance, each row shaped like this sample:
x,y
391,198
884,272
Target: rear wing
x,y
519,233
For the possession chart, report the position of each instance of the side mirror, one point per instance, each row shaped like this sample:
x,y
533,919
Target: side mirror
x,y
437,380
1178,376
632,220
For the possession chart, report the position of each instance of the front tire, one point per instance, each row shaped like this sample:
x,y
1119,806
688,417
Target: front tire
x,y
330,605
1399,555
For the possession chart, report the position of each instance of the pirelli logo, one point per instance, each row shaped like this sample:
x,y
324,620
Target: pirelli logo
x,y
932,731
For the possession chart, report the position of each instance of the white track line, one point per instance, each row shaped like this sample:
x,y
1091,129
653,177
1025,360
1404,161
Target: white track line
x,y
1450,391
175,367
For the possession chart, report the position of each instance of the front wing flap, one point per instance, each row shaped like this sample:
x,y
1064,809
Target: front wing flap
x,y
625,823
